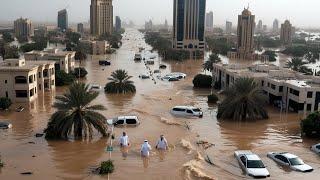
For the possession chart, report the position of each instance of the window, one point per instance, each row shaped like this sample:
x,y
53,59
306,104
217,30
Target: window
x,y
262,83
45,73
294,92
282,158
52,82
268,84
280,88
21,93
20,80
318,147
243,160
309,94
273,86
7,94
39,74
189,111
178,109
5,81
308,107
131,121
31,92
121,121
31,79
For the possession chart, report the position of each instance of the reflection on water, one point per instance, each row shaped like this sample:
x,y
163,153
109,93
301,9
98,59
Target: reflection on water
x,y
152,102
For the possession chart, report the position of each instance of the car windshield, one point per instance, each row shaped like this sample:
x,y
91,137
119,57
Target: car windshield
x,y
296,161
196,110
255,164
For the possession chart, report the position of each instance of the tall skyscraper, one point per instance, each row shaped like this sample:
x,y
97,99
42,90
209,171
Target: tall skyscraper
x,y
275,27
63,20
166,26
118,23
189,24
101,17
228,27
286,33
80,28
209,20
245,33
259,26
148,25
23,28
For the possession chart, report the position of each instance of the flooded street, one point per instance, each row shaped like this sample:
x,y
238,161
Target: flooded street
x,y
21,151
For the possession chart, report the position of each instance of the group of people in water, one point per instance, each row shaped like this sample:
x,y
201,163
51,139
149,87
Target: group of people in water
x,y
161,146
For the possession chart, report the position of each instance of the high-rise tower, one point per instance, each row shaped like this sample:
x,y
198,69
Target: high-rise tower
x,y
101,17
245,33
189,24
63,20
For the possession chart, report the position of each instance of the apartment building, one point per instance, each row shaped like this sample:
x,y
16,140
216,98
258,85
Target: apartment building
x,y
22,81
64,60
286,89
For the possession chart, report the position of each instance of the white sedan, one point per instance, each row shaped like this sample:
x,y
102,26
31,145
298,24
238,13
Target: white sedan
x,y
251,164
290,160
316,148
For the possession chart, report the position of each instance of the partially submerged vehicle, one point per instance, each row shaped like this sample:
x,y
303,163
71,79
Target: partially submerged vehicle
x,y
104,63
5,125
251,164
290,160
124,121
187,111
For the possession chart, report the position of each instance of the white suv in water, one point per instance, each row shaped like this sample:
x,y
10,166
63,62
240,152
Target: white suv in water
x,y
290,160
186,111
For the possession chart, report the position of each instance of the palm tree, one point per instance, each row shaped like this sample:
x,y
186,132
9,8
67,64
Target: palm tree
x,y
75,114
213,59
244,101
120,83
295,63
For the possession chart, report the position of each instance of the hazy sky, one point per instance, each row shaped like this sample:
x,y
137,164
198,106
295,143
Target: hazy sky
x,y
301,12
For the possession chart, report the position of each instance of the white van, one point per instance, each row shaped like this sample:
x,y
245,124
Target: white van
x,y
186,111
124,120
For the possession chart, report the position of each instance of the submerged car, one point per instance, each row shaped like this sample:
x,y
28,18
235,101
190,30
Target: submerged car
x,y
19,109
251,164
290,160
316,148
124,121
104,63
178,75
162,66
144,76
169,78
5,125
186,111
95,87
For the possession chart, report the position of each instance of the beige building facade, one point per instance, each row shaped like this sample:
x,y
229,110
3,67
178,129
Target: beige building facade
x,y
23,28
245,32
286,33
286,89
101,17
64,60
22,81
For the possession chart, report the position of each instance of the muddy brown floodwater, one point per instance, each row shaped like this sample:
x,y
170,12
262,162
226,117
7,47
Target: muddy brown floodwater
x,y
22,152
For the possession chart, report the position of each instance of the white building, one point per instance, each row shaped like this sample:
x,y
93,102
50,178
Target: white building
x,y
64,60
22,81
286,89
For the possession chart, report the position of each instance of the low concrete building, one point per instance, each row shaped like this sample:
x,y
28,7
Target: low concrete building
x,y
286,89
22,81
64,60
99,47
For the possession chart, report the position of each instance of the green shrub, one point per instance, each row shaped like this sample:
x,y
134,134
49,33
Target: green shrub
x,y
106,167
212,98
202,81
82,73
63,78
5,103
311,125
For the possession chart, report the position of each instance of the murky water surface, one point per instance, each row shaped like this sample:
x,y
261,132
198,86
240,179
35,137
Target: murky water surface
x,y
22,151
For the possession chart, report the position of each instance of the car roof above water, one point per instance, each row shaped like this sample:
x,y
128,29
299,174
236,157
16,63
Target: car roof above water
x,y
185,107
288,155
127,117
